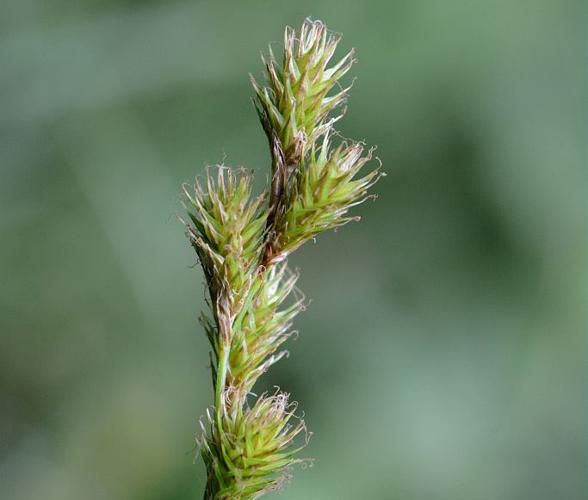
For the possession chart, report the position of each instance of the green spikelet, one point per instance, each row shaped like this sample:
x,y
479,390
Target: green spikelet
x,y
322,192
256,449
294,107
226,231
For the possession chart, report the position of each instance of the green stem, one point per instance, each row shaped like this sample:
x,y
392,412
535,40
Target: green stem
x,y
221,379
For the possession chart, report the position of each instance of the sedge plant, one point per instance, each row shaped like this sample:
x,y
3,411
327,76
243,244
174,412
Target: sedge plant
x,y
249,443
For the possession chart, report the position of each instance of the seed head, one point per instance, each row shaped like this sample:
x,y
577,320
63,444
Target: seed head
x,y
243,243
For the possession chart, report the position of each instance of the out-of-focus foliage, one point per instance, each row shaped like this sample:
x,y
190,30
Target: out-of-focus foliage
x,y
443,355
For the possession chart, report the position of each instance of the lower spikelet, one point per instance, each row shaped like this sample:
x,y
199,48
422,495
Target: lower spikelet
x,y
251,452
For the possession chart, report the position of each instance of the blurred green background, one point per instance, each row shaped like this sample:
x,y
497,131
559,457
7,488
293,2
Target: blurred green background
x,y
443,355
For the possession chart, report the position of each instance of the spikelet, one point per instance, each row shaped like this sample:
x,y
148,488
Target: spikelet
x,y
294,106
226,230
252,453
324,189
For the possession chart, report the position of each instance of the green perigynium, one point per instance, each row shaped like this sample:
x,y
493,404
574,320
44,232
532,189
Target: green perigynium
x,y
242,242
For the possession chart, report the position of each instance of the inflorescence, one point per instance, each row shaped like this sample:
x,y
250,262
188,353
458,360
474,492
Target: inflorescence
x,y
242,242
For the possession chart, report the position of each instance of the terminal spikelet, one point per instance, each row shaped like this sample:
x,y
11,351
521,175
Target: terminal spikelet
x,y
294,107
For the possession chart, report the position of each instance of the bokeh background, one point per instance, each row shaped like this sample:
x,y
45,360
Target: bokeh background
x,y
443,355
